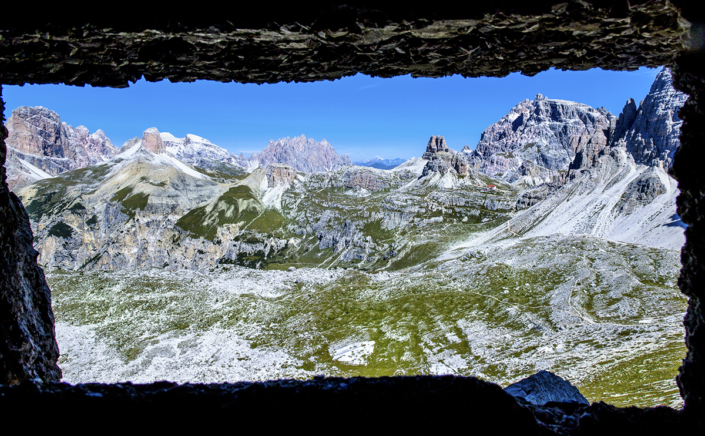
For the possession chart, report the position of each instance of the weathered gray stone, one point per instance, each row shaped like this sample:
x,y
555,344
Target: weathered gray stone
x,y
301,154
547,133
152,141
653,137
38,137
545,387
278,174
28,349
306,42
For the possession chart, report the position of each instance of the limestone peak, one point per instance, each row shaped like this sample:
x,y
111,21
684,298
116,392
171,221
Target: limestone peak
x,y
152,141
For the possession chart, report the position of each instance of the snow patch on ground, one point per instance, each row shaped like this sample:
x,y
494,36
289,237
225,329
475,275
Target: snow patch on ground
x,y
353,354
35,172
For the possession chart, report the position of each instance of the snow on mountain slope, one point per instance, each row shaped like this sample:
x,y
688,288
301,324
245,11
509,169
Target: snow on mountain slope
x,y
40,145
618,200
34,172
194,147
414,165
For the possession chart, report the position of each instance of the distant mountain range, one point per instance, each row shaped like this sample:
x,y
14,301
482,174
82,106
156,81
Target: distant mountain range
x,y
381,163
553,243
41,146
543,159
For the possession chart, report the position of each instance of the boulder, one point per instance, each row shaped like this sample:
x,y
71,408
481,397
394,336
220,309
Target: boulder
x,y
545,387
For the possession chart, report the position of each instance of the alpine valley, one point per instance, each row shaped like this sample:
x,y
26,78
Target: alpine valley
x,y
552,245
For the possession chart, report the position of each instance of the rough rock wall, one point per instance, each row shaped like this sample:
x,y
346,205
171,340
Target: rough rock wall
x,y
546,132
493,41
301,154
689,77
653,137
28,348
442,159
152,141
38,130
278,174
329,40
37,136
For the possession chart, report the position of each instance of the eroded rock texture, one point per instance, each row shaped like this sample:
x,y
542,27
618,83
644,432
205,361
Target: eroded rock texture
x,y
306,42
689,77
300,153
28,348
152,141
545,387
542,132
653,136
278,174
40,145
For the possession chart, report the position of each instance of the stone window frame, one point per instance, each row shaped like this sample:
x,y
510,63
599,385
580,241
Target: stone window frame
x,y
327,41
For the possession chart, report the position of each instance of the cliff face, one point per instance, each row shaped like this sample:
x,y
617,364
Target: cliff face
x,y
278,175
40,145
28,348
301,154
443,160
152,141
620,191
545,132
654,135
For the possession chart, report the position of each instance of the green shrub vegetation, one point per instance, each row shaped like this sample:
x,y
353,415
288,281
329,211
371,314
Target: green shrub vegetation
x,y
61,230
237,205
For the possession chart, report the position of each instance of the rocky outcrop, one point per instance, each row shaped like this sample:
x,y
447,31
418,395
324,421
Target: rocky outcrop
x,y
330,41
152,141
301,154
38,130
545,387
625,120
534,195
546,132
365,180
654,134
643,190
437,144
40,145
442,159
28,349
278,175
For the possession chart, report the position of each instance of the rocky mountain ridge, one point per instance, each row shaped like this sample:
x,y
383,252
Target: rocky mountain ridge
x,y
380,163
209,211
300,153
537,140
39,144
619,191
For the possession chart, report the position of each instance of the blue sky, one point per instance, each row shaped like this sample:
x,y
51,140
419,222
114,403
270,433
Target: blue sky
x,y
360,115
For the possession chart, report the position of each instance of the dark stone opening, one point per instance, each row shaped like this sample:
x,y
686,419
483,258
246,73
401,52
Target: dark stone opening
x,y
324,41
